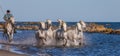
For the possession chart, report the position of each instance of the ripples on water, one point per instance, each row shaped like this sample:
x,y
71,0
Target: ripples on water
x,y
97,44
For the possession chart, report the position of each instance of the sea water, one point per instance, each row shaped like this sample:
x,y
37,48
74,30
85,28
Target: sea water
x,y
97,44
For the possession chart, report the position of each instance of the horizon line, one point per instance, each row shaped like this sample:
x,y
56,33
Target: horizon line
x,y
56,21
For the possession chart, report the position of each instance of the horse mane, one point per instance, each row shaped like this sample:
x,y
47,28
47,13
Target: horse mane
x,y
82,23
49,23
64,25
42,25
79,27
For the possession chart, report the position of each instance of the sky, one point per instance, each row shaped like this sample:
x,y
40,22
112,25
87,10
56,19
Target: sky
x,y
67,10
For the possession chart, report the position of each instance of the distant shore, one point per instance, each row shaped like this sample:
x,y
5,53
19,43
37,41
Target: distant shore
x,y
91,27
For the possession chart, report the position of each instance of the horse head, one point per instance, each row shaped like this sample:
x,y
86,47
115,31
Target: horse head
x,y
42,25
82,23
49,24
60,22
64,26
79,27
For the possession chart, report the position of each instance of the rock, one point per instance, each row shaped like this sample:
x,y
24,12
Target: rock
x,y
107,30
27,27
115,32
118,30
92,27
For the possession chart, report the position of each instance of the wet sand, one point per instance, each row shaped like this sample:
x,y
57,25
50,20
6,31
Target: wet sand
x,y
8,53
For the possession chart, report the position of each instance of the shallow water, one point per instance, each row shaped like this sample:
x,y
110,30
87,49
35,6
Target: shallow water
x,y
97,44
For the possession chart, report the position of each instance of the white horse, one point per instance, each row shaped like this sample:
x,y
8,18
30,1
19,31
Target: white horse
x,y
49,30
70,37
61,34
50,40
79,32
83,24
40,35
9,29
75,36
44,35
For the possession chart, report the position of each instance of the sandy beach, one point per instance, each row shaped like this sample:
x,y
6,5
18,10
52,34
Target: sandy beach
x,y
8,53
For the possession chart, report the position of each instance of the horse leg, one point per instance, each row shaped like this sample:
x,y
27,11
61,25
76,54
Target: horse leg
x,y
82,39
10,36
4,36
5,33
65,42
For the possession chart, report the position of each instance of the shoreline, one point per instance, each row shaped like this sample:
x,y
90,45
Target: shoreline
x,y
8,53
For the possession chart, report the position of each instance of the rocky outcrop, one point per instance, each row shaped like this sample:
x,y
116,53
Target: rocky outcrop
x,y
115,32
91,27
27,27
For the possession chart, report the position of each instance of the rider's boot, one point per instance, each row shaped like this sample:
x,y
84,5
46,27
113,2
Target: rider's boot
x,y
14,28
5,30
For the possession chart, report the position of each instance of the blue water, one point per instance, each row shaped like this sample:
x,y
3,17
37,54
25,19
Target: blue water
x,y
113,25
97,44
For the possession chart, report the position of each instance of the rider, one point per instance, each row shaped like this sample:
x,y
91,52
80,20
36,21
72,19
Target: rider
x,y
7,17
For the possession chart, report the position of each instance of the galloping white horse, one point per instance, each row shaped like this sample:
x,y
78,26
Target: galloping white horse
x,y
75,36
45,35
61,34
49,30
79,32
50,40
40,34
9,29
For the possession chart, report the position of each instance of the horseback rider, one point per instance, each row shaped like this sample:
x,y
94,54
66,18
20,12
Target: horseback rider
x,y
7,17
